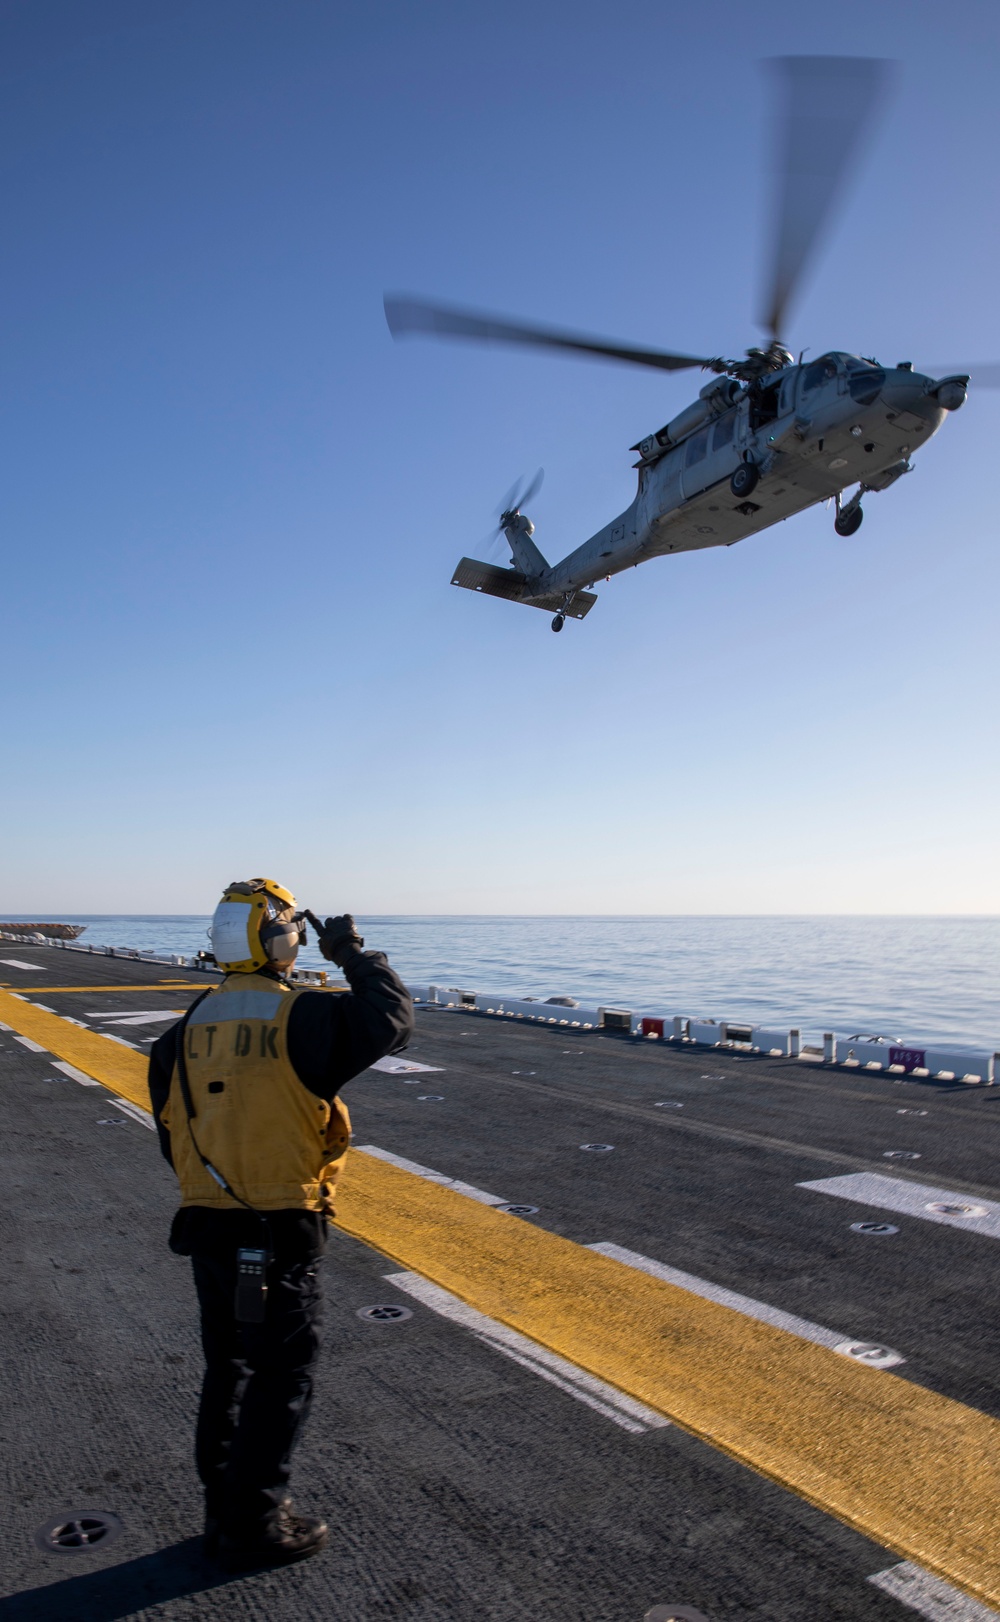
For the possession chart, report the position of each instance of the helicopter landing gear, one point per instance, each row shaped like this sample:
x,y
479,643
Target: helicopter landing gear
x,y
850,523
558,622
849,518
745,479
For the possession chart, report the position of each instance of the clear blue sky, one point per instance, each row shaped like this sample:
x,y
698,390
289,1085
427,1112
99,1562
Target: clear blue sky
x,y
230,506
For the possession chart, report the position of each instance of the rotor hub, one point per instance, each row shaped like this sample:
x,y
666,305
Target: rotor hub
x,y
758,363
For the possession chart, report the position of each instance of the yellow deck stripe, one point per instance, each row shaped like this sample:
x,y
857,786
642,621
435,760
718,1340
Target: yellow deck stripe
x,y
121,1069
151,985
912,1470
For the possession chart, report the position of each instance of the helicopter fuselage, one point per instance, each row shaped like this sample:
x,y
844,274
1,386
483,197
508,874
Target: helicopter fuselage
x,y
808,432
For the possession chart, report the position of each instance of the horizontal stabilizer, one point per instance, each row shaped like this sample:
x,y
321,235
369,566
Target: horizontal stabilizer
x,y
515,587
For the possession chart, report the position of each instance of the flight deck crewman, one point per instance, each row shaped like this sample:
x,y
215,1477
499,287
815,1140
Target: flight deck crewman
x,y
244,1093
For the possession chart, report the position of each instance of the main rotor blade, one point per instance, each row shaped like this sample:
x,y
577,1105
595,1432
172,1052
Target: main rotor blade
x,y
407,315
984,376
825,111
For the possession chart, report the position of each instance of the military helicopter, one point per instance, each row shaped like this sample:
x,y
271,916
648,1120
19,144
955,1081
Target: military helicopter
x,y
767,437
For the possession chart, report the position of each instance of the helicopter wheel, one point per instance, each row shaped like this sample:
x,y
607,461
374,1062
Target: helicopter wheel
x,y
559,622
745,479
850,524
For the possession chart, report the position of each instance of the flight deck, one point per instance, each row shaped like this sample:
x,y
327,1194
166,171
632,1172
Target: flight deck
x,y
613,1328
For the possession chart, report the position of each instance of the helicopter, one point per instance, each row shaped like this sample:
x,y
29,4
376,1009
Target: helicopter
x,y
767,436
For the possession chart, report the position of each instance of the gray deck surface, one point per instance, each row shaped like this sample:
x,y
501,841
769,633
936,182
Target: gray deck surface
x,y
457,1483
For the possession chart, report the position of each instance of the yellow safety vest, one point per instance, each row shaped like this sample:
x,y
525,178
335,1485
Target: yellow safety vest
x,y
276,1144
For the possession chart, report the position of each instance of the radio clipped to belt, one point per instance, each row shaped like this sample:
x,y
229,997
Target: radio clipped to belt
x,y
251,1286
250,1304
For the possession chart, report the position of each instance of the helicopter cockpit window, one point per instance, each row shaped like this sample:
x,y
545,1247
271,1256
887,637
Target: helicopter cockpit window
x,y
819,372
697,447
865,383
723,432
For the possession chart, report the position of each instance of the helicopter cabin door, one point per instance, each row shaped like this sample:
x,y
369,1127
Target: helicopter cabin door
x,y
765,401
711,454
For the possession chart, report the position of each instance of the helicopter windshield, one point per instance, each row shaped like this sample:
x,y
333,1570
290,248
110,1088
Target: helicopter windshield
x,y
864,379
820,371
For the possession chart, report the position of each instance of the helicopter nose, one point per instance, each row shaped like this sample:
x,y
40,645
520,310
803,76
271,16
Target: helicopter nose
x,y
909,391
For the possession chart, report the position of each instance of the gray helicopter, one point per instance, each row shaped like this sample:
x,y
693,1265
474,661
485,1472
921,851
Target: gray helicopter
x,y
766,437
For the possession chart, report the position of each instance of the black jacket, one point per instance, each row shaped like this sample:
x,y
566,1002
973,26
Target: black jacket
x,y
331,1037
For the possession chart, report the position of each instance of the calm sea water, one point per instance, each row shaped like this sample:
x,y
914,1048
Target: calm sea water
x,y
924,979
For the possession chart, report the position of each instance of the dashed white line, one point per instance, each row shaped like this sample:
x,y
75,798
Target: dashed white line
x,y
928,1595
142,1116
876,1356
914,1199
467,1189
148,1016
603,1399
32,1047
74,1074
15,963
402,1067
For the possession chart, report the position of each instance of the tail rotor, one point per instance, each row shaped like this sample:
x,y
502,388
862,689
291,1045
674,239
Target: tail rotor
x,y
511,507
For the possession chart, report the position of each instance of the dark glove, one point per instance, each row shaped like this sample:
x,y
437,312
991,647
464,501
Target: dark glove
x,y
338,938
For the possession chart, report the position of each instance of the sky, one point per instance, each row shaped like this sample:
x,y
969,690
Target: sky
x,y
231,506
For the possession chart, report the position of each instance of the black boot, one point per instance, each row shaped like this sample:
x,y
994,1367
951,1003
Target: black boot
x,y
283,1536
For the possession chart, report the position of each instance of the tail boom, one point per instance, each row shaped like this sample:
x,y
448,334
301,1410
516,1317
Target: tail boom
x,y
515,587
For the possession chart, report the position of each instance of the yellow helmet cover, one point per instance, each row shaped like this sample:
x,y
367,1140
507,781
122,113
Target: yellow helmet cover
x,y
248,909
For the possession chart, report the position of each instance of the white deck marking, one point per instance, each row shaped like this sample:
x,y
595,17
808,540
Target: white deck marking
x,y
142,1116
15,963
935,1599
32,1047
604,1399
431,1176
74,1074
745,1304
109,1038
403,1067
45,1010
912,1199
4,1027
147,1016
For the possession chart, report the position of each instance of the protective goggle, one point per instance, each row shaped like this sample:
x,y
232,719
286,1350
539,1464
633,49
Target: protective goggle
x,y
282,940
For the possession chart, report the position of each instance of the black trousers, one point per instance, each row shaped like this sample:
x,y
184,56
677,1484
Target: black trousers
x,y
258,1385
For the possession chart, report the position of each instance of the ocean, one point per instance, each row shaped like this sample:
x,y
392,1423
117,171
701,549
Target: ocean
x,y
925,980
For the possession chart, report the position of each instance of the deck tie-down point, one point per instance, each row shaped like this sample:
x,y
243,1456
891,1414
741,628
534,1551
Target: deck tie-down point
x,y
76,1530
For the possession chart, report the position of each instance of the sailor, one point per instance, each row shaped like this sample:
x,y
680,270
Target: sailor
x,y
245,1098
